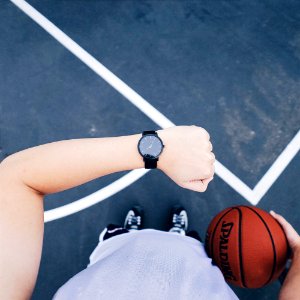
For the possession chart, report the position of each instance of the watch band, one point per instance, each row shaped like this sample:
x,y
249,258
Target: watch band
x,y
149,132
150,163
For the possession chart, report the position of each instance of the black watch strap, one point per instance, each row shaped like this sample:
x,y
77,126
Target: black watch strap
x,y
150,163
149,132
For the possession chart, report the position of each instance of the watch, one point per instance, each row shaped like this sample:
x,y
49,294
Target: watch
x,y
150,146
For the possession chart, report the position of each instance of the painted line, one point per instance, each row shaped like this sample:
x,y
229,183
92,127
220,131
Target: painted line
x,y
253,196
234,182
277,168
96,197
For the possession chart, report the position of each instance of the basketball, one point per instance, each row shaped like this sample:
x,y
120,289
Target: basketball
x,y
248,245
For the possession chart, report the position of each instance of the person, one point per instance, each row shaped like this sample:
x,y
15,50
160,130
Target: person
x,y
141,264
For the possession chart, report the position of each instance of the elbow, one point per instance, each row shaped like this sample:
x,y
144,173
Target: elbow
x,y
12,168
9,169
8,163
4,164
15,162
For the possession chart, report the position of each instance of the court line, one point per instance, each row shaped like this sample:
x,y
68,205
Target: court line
x,y
96,197
253,196
277,168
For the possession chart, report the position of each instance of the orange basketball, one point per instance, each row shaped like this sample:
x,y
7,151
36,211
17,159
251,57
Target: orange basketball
x,y
248,245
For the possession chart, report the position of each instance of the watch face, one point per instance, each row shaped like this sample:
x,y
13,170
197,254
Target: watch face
x,y
150,145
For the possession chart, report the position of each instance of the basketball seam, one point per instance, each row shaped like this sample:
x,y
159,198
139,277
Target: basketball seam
x,y
273,245
240,248
214,232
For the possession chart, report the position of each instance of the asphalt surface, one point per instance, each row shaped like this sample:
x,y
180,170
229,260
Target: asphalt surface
x,y
230,67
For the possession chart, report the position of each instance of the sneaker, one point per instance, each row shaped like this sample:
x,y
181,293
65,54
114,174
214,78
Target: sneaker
x,y
179,220
110,231
133,220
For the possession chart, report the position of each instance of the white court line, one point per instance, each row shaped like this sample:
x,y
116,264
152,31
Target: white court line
x,y
277,168
96,197
135,98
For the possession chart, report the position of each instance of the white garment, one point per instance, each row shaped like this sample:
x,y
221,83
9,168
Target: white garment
x,y
148,264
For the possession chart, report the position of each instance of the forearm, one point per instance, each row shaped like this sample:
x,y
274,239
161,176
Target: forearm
x,y
291,287
57,166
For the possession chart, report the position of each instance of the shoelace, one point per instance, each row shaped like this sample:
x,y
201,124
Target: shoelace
x,y
178,220
134,220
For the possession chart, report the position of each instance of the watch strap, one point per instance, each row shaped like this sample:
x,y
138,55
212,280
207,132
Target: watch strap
x,y
150,163
149,132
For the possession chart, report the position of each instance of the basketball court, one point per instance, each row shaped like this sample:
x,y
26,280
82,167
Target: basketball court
x,y
84,69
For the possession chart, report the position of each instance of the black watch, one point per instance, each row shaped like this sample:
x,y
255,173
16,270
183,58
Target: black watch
x,y
150,146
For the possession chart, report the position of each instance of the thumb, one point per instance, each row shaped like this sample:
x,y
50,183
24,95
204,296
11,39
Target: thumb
x,y
197,185
208,180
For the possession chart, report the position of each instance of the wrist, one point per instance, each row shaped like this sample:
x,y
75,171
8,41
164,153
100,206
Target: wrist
x,y
296,251
129,154
165,156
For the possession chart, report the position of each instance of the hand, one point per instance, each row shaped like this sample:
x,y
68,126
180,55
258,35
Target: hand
x,y
291,285
187,157
292,236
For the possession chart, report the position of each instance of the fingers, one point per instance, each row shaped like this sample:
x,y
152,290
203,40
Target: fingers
x,y
208,146
202,131
210,170
197,185
207,181
189,159
291,234
211,157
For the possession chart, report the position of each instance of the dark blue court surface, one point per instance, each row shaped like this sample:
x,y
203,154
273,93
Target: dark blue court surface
x,y
230,67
